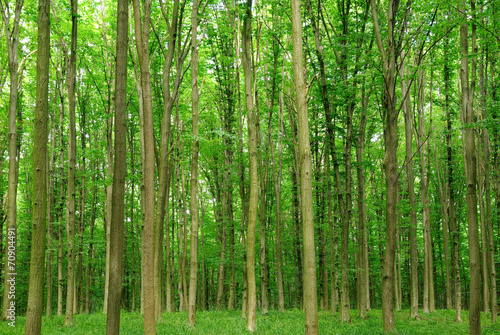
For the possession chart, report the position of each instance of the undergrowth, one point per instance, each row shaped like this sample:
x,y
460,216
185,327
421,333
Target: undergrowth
x,y
291,322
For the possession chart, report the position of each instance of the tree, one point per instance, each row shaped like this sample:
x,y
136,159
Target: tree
x,y
252,151
468,121
142,27
119,173
310,300
193,273
12,37
389,55
71,201
411,198
38,243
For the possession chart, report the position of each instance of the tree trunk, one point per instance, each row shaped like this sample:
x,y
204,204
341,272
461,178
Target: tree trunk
x,y
71,201
489,222
10,263
142,42
277,173
362,231
252,150
455,267
390,159
90,269
408,115
116,244
310,300
38,242
263,168
81,223
51,217
470,170
489,248
60,250
193,275
109,147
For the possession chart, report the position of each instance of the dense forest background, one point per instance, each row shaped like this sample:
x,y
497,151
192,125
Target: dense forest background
x,y
393,202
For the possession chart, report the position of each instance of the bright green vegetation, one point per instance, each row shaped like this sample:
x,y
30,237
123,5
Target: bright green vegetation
x,y
291,322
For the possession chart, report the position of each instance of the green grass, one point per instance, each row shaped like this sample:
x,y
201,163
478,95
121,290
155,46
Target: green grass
x,y
291,322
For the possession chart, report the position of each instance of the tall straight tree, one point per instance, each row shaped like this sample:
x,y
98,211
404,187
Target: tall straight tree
x,y
142,27
451,195
389,54
71,202
487,190
40,137
254,178
170,94
470,166
193,271
119,173
12,36
408,115
310,299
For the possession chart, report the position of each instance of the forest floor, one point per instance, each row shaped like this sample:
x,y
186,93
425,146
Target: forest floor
x,y
291,322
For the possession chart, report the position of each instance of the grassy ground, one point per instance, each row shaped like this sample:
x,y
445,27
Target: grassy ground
x,y
290,322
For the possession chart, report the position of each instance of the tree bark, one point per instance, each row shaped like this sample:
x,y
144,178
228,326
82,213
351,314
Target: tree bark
x,y
408,115
60,249
119,173
451,194
277,173
389,56
489,221
310,300
51,218
142,28
193,275
10,264
252,150
470,169
71,201
38,243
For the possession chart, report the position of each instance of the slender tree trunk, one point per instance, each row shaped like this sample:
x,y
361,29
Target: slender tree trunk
x,y
485,287
470,170
119,173
10,262
184,258
142,28
362,232
489,229
332,241
60,250
91,244
455,267
109,149
252,150
263,168
277,172
397,270
51,217
193,276
412,200
241,177
443,200
390,159
310,300
71,202
489,248
204,291
81,223
38,242
170,95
